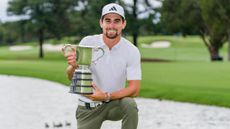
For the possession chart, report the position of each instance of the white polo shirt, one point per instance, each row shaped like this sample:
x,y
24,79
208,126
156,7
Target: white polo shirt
x,y
117,65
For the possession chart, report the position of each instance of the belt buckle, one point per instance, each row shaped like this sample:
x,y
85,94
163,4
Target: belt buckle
x,y
98,104
92,105
87,106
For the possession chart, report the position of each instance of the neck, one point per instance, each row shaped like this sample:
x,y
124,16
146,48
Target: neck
x,y
111,42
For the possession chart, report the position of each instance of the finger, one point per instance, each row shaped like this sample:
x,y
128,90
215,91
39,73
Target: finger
x,y
66,55
95,87
71,61
89,96
70,58
73,49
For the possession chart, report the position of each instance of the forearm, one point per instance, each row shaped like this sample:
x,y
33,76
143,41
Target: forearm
x,y
132,90
69,71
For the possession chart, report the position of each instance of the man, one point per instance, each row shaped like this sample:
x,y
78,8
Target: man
x,y
111,100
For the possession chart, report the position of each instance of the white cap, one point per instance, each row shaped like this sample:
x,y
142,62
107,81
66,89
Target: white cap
x,y
113,8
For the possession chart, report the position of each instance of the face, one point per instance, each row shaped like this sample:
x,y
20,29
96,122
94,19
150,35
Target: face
x,y
112,25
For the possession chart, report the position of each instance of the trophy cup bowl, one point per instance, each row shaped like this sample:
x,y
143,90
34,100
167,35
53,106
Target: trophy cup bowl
x,y
82,77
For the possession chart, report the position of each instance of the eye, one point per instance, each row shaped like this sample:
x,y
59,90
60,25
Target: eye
x,y
116,21
107,20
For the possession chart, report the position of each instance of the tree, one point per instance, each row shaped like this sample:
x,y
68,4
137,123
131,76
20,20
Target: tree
x,y
45,15
133,11
179,16
223,12
9,33
77,17
187,16
215,28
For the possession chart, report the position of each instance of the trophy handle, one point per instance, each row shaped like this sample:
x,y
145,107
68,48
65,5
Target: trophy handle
x,y
103,52
67,48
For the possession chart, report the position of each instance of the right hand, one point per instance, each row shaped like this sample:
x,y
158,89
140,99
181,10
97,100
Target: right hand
x,y
71,58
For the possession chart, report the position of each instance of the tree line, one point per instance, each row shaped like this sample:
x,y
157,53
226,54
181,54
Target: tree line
x,y
210,19
57,18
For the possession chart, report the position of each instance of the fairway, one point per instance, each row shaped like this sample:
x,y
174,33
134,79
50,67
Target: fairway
x,y
206,83
189,76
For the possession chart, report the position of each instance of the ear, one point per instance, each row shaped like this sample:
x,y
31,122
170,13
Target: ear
x,y
100,22
124,25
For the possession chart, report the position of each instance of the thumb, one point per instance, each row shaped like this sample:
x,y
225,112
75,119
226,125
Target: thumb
x,y
95,87
73,49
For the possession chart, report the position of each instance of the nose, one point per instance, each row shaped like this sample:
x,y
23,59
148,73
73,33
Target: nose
x,y
111,25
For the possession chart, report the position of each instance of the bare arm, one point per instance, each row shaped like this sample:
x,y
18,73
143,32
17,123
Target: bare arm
x,y
69,71
132,90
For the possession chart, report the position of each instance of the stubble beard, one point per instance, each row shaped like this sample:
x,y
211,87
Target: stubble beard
x,y
111,36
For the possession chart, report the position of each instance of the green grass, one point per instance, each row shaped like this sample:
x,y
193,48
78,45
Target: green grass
x,y
190,48
190,77
44,69
32,54
205,83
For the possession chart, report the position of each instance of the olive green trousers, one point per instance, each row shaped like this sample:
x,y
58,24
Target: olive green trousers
x,y
124,109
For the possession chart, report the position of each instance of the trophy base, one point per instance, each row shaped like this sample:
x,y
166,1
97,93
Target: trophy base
x,y
80,93
82,81
81,90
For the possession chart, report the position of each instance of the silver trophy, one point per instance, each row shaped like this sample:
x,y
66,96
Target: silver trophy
x,y
82,77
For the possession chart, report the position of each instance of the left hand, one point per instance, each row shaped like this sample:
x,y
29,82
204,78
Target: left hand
x,y
98,95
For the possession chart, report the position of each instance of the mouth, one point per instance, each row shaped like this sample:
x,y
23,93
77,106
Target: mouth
x,y
111,31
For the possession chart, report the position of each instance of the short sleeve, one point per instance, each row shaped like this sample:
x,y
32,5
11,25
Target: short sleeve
x,y
85,41
134,65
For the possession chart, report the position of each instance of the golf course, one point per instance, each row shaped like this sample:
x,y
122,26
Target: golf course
x,y
182,71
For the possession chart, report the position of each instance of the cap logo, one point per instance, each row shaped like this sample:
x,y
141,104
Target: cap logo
x,y
113,9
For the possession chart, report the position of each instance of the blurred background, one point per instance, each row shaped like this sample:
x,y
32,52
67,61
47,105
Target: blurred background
x,y
184,44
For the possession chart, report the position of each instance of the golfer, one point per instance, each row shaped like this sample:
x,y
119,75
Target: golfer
x,y
113,97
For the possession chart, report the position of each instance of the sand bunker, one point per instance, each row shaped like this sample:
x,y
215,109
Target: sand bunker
x,y
20,48
46,47
157,44
30,103
51,47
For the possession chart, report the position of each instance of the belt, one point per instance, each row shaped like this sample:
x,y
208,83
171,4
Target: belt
x,y
89,105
